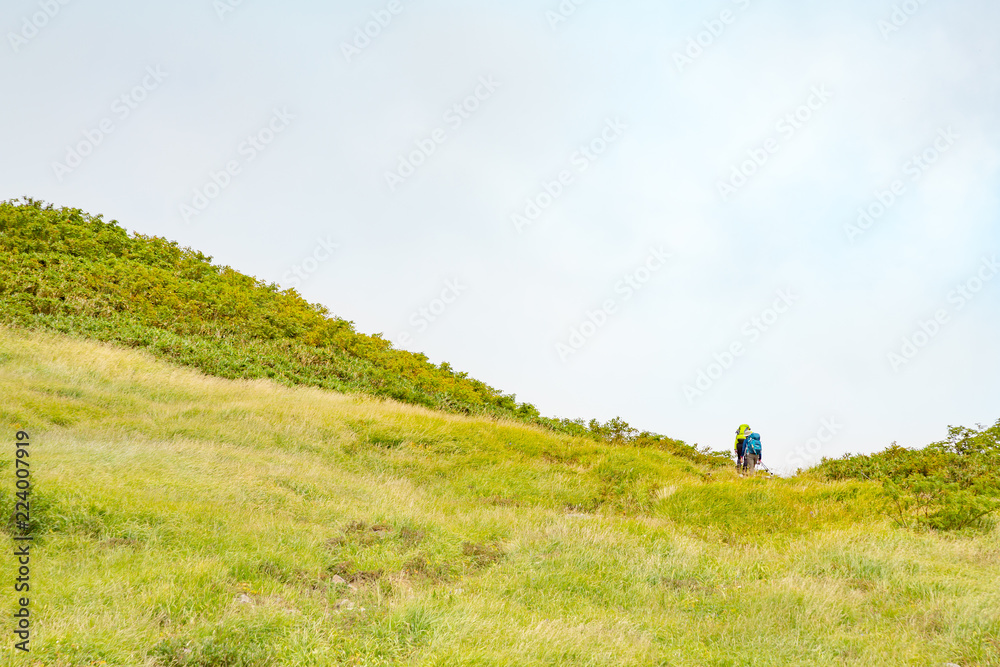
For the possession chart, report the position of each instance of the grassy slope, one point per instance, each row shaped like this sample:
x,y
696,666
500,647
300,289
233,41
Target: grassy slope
x,y
63,269
67,271
163,495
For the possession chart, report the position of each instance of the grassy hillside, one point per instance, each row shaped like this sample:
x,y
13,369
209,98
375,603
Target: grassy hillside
x,y
183,519
64,270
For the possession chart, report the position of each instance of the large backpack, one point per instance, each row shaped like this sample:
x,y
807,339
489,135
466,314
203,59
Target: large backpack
x,y
741,433
752,444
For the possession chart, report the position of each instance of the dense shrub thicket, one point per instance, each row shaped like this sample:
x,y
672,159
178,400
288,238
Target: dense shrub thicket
x,y
947,485
64,270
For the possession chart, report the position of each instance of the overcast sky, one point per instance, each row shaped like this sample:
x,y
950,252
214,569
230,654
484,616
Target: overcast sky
x,y
691,215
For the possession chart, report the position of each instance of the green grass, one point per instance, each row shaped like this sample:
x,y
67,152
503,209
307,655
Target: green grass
x,y
163,496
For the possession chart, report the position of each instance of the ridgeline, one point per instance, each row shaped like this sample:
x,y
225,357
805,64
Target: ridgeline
x,y
64,270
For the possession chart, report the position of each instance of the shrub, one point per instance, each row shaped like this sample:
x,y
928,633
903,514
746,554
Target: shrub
x,y
948,485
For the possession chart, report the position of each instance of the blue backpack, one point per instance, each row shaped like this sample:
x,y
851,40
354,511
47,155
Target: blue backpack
x,y
753,444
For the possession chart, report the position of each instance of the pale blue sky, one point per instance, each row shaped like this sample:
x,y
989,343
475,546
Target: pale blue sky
x,y
671,135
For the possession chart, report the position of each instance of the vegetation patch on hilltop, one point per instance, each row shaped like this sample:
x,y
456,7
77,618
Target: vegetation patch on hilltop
x,y
953,484
64,270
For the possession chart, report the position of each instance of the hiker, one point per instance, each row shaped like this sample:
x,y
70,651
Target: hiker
x,y
751,452
741,433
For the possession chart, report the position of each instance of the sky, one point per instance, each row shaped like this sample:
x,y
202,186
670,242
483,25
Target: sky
x,y
689,215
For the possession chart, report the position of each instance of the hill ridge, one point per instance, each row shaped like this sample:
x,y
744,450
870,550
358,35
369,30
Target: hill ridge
x,y
64,270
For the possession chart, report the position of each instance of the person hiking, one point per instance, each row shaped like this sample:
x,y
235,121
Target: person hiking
x,y
751,452
741,433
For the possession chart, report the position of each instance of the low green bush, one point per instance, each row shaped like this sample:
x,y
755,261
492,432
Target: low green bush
x,y
953,484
